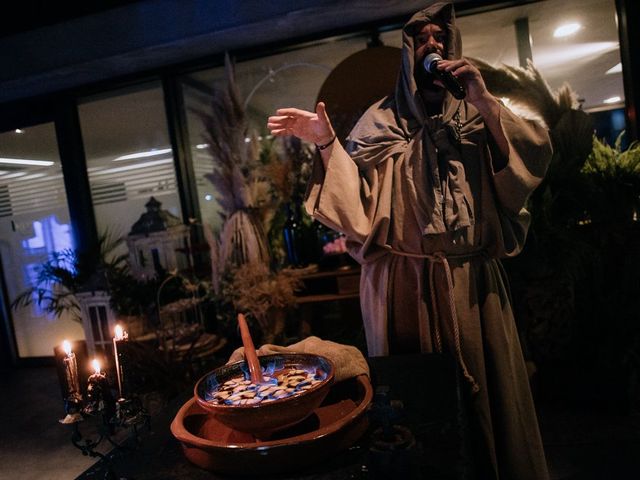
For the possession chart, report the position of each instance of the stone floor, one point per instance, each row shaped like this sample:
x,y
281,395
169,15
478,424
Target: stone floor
x,y
33,445
580,445
583,445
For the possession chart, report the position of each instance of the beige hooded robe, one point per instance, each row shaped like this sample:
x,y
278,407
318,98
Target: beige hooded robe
x,y
428,218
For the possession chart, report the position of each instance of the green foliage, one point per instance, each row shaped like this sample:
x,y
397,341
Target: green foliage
x,y
130,296
67,272
611,162
577,278
613,179
70,271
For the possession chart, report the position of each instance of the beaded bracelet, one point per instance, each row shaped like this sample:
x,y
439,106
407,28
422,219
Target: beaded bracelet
x,y
322,147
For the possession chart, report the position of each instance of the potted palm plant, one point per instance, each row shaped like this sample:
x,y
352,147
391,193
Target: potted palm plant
x,y
68,272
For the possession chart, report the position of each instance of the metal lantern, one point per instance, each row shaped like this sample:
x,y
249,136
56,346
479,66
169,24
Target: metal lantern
x,y
155,241
98,319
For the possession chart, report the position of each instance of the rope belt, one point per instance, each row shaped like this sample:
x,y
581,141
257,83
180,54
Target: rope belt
x,y
443,259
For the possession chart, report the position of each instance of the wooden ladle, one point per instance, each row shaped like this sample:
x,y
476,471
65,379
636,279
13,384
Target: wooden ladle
x,y
250,351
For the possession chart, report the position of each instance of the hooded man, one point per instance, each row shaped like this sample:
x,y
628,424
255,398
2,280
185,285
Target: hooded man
x,y
430,193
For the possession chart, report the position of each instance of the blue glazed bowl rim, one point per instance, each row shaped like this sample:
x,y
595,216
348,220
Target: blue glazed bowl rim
x,y
233,369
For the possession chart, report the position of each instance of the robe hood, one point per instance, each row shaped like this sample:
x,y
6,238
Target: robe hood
x,y
399,128
408,102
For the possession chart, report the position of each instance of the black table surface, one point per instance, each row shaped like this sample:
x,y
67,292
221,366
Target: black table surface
x,y
425,397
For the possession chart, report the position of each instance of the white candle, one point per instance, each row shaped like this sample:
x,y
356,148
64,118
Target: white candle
x,y
97,386
70,369
96,366
120,334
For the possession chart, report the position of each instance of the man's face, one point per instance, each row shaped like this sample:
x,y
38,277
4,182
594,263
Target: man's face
x,y
430,39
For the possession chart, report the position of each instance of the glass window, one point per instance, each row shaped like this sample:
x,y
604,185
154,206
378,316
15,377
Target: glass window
x,y
577,42
572,41
293,79
129,156
34,223
585,53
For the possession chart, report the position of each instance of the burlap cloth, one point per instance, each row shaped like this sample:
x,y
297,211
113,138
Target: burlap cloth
x,y
347,360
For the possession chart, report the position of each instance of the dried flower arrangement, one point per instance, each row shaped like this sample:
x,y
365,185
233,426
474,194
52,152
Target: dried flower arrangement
x,y
288,167
288,163
264,295
253,177
241,189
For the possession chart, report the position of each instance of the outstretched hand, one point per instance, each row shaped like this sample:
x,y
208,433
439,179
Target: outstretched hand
x,y
308,126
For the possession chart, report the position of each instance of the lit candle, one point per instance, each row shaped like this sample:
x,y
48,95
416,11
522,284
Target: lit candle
x,y
121,335
95,363
98,392
71,371
94,388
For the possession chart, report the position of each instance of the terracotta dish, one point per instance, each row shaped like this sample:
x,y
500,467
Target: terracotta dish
x,y
262,419
333,426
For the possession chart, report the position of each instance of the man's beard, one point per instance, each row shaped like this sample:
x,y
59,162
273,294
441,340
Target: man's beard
x,y
424,80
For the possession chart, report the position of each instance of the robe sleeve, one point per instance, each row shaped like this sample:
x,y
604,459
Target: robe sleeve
x,y
342,198
529,156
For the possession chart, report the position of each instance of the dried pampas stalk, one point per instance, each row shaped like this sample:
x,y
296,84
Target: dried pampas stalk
x,y
214,253
242,240
236,160
240,187
526,88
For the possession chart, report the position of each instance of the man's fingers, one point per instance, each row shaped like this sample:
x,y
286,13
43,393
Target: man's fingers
x,y
282,124
293,112
278,118
280,132
462,71
450,65
321,112
281,121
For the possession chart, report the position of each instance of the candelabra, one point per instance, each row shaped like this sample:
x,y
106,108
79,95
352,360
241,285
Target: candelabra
x,y
102,419
98,417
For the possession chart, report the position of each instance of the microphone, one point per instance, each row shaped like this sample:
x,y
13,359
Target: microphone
x,y
450,82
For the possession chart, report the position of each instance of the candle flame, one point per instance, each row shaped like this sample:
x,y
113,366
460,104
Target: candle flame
x,y
96,365
120,333
66,346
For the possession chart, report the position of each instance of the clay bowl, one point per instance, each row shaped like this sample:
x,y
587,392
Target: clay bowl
x,y
262,419
332,428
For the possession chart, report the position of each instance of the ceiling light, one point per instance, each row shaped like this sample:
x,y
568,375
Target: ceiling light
x,y
135,166
566,30
148,153
615,69
23,161
13,175
582,52
612,100
33,176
